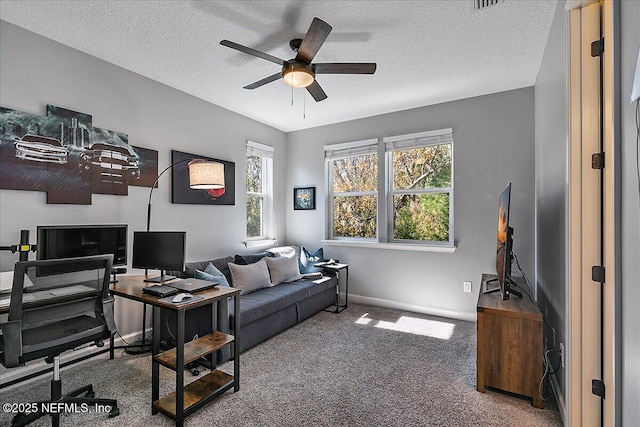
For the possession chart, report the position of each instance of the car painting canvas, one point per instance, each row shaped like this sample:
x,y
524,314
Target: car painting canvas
x,y
65,156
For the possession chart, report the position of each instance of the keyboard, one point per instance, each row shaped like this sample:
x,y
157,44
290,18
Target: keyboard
x,y
159,290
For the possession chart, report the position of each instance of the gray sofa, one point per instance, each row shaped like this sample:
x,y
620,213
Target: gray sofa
x,y
267,311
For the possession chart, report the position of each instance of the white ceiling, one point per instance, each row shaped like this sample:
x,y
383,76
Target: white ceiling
x,y
428,51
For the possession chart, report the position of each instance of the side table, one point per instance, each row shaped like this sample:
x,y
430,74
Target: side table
x,y
336,268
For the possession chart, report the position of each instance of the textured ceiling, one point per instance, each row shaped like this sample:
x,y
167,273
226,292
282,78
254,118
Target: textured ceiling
x,y
427,52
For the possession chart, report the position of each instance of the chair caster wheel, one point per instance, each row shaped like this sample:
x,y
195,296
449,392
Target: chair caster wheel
x,y
90,394
114,412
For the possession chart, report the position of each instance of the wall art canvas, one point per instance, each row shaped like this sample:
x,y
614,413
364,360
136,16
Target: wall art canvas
x,y
64,155
304,198
181,193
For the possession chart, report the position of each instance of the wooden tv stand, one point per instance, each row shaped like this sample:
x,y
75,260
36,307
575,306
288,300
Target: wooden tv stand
x,y
509,343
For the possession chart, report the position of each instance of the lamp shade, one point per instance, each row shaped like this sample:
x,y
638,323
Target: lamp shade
x,y
205,175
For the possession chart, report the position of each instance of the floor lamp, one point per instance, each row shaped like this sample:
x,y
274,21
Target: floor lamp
x,y
203,175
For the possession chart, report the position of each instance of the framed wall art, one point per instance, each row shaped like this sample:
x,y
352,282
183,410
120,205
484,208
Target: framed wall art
x,y
182,193
64,155
304,198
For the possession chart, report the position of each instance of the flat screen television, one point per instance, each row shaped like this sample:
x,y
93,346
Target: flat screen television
x,y
159,250
69,241
504,246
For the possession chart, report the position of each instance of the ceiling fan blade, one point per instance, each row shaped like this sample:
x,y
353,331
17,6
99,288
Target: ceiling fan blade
x,y
316,91
264,81
316,35
251,51
345,68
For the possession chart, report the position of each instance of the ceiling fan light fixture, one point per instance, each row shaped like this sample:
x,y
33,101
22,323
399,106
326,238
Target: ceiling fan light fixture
x,y
300,75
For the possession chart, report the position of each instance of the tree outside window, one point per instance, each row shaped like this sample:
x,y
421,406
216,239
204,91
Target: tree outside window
x,y
420,197
259,192
417,193
355,196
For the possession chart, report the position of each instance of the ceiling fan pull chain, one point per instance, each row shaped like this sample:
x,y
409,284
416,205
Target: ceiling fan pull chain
x,y
304,105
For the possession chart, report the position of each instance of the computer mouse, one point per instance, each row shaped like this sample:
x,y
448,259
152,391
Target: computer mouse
x,y
181,297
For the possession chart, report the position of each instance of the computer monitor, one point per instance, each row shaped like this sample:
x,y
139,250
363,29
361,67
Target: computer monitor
x,y
70,241
159,250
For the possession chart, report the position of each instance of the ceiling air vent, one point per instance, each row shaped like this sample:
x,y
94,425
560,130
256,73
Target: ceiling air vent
x,y
483,4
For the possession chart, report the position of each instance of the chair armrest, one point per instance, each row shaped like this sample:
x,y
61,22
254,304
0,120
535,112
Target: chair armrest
x,y
107,312
12,341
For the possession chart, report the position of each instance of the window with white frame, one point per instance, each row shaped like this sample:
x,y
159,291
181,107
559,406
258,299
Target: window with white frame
x,y
259,191
420,187
353,189
416,192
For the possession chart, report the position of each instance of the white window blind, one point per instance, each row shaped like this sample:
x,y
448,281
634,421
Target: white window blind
x,y
350,149
422,139
259,150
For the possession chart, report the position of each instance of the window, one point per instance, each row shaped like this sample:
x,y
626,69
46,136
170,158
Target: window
x,y
420,193
259,191
416,193
353,189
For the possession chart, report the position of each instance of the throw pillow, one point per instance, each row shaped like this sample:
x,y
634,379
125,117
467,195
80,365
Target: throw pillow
x,y
212,274
287,251
283,269
240,260
251,258
307,260
249,278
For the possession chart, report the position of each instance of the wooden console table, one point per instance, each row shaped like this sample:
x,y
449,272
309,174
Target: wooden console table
x,y
509,343
186,399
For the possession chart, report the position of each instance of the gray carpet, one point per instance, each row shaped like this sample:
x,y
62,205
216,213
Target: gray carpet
x,y
350,369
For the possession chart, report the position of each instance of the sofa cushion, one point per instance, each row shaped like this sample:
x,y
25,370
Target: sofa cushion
x,y
222,264
307,260
283,269
286,251
212,274
264,302
251,258
250,278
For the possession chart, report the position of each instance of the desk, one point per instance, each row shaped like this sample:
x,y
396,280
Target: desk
x,y
186,399
509,343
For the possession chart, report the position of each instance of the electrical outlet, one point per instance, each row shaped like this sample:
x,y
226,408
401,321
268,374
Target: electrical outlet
x,y
467,287
562,355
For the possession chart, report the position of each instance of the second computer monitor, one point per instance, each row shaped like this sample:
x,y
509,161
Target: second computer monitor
x,y
159,250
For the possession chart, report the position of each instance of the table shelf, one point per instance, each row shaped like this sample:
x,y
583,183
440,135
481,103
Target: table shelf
x,y
194,350
196,393
187,398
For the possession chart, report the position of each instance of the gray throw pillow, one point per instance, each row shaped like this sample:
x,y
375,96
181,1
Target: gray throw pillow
x,y
249,278
283,269
212,274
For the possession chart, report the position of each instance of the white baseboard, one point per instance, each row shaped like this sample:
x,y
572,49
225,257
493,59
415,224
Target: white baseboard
x,y
559,398
8,375
451,314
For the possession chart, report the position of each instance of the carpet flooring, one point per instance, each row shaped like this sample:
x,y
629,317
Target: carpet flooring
x,y
367,366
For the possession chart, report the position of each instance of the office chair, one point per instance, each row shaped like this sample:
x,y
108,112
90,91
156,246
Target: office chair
x,y
58,305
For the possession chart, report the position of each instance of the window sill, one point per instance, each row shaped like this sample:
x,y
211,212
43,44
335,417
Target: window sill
x,y
260,243
391,246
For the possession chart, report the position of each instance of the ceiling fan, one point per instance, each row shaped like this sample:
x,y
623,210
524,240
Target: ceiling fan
x,y
299,71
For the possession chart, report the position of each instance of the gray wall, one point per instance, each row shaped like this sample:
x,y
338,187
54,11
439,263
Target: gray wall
x,y
551,182
493,145
35,71
630,216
